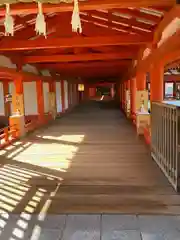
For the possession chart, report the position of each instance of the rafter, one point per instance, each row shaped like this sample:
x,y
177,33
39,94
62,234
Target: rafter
x,y
139,14
52,24
31,8
84,65
115,25
105,73
15,45
131,21
79,57
90,29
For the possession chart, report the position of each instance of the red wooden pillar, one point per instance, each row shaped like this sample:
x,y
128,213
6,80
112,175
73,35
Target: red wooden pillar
x,y
69,94
133,96
128,84
19,85
18,97
112,91
124,96
121,94
40,100
52,86
92,92
62,95
140,81
17,122
157,82
86,92
72,95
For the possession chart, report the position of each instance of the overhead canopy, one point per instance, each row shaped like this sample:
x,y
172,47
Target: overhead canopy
x,y
113,34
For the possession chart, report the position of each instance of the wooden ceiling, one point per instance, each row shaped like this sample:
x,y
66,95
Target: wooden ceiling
x,y
113,33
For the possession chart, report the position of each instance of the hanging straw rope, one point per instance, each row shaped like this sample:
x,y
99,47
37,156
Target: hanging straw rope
x,y
76,21
8,22
40,21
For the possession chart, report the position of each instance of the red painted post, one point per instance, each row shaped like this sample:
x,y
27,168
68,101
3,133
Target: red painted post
x,y
40,98
6,104
62,96
133,97
157,82
140,81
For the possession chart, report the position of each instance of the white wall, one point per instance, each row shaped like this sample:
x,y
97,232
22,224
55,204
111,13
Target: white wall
x,y
2,109
66,94
45,94
30,98
45,73
71,93
30,68
11,91
75,93
6,62
58,97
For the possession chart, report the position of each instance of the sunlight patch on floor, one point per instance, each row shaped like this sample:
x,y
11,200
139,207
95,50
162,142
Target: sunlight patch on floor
x,y
17,180
66,138
16,189
57,156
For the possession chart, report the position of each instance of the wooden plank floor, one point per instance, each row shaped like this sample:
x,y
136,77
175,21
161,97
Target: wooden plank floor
x,y
89,161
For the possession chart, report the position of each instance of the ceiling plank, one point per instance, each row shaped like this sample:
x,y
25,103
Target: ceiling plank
x,y
131,21
90,29
136,13
117,26
18,45
80,57
52,25
31,8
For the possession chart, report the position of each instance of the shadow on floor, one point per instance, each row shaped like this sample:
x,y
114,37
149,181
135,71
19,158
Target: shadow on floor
x,y
89,161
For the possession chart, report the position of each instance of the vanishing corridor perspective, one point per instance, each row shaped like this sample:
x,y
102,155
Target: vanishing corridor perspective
x,y
89,119
90,160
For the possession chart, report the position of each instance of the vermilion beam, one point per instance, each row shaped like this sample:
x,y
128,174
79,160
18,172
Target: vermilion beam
x,y
171,15
79,57
109,71
31,8
18,45
91,65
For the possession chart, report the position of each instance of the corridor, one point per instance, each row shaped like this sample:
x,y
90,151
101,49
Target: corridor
x,y
88,161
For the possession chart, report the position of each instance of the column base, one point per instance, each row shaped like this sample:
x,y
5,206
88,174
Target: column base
x,y
17,122
142,120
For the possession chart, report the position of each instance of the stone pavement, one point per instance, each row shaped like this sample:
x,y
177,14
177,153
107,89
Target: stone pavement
x,y
89,227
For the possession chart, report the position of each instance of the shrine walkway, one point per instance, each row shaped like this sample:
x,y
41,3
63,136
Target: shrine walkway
x,y
88,161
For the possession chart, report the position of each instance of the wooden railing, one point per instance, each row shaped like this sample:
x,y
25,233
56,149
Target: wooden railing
x,y
133,116
147,134
165,140
31,125
35,123
8,135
